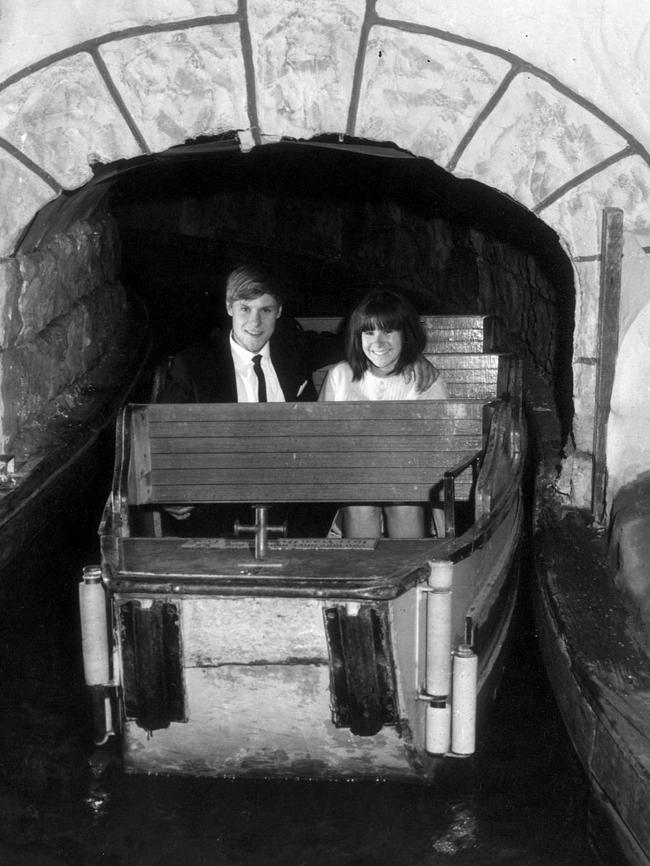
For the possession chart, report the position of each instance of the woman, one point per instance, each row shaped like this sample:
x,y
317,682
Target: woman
x,y
384,335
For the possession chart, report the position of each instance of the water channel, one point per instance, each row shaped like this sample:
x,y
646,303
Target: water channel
x,y
523,801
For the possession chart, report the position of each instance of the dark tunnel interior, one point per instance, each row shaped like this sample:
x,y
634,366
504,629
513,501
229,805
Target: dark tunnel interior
x,y
276,206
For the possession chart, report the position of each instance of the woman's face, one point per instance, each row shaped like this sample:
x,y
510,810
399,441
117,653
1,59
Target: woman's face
x,y
382,348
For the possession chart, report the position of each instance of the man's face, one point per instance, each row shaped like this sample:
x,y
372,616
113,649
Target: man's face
x,y
253,321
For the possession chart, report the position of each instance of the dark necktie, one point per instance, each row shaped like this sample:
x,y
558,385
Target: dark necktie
x,y
261,381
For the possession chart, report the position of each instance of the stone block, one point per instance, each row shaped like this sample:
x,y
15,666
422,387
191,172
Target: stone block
x,y
304,54
586,310
584,385
577,216
10,318
63,117
576,479
26,192
423,92
181,84
535,140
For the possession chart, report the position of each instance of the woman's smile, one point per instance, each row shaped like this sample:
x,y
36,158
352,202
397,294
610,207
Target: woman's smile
x,y
382,349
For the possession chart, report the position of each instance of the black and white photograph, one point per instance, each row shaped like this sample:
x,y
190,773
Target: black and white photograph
x,y
324,433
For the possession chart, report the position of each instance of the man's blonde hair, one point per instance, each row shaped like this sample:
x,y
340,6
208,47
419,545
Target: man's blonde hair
x,y
249,281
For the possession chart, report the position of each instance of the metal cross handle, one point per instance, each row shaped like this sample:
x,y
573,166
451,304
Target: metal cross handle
x,y
261,529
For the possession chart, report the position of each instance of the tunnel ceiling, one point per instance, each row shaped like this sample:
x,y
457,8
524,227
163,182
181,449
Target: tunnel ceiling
x,y
351,171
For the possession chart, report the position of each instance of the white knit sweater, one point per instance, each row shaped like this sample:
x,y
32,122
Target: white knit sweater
x,y
338,385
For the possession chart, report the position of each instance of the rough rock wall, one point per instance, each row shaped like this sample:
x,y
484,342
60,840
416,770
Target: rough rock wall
x,y
63,308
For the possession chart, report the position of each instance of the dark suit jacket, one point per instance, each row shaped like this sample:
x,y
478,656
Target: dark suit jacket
x,y
205,372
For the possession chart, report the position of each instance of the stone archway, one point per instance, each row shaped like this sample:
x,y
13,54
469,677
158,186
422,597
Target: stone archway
x,y
289,70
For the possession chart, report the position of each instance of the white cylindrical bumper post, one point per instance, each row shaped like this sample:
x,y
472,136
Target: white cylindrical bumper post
x,y
463,695
95,649
438,678
437,727
438,657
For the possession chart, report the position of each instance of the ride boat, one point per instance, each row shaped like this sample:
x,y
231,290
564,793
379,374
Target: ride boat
x,y
318,657
590,598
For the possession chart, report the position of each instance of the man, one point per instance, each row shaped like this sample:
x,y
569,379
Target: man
x,y
256,361
222,369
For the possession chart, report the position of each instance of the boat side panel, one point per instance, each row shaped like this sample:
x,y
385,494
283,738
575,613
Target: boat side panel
x,y
483,585
609,835
497,589
621,766
619,781
408,622
576,711
479,579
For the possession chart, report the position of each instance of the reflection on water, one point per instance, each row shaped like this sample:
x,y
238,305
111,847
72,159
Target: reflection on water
x,y
522,801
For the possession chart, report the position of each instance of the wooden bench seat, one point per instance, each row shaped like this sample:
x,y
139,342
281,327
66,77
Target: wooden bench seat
x,y
298,452
273,453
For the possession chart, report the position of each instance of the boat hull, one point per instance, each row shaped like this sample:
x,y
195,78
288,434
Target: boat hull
x,y
308,658
258,671
600,682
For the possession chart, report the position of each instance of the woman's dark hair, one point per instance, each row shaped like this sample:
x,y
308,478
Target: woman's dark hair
x,y
387,311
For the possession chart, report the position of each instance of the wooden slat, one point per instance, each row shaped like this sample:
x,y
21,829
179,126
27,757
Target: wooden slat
x,y
454,335
462,433
452,455
378,410
608,324
330,324
468,375
252,437
474,361
237,474
139,479
477,390
288,492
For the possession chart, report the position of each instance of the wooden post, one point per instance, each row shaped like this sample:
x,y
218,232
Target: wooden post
x,y
607,348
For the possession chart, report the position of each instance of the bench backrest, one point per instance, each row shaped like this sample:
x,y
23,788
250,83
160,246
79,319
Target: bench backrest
x,y
466,349
479,375
297,452
465,334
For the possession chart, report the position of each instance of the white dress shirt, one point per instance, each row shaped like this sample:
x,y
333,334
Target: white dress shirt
x,y
246,377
